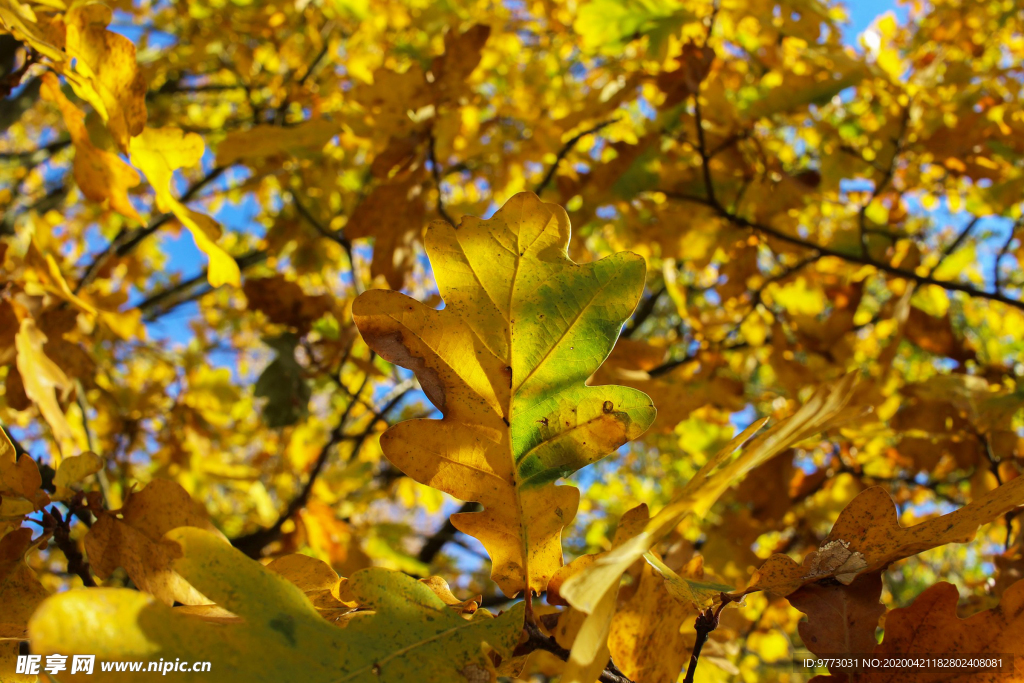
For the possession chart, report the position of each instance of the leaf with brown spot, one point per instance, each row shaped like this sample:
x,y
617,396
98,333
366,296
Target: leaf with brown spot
x,y
513,299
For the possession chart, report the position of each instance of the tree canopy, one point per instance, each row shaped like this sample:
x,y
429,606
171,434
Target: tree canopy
x,y
619,340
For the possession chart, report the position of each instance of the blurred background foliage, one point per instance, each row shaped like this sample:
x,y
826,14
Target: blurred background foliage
x,y
193,193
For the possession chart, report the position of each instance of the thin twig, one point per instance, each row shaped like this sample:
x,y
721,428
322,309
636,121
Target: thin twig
x,y
252,544
845,256
127,239
955,244
707,621
442,536
566,148
61,528
883,183
1003,251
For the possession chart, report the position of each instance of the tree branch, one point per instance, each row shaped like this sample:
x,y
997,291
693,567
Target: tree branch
x,y
446,533
707,621
643,312
435,170
536,640
566,148
252,544
154,300
850,258
61,528
127,239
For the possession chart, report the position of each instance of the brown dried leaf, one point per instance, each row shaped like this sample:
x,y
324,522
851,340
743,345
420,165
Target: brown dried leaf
x,y
841,619
868,537
132,538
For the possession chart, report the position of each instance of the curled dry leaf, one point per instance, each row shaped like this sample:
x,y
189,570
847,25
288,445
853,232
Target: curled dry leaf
x,y
868,537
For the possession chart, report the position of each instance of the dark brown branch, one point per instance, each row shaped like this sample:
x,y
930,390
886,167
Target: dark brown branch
x,y
33,154
1003,251
707,621
442,536
566,148
252,544
126,240
850,258
154,300
61,529
702,149
536,640
325,32
955,244
883,183
643,312
337,236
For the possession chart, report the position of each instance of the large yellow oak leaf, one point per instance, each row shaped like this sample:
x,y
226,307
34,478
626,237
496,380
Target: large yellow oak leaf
x,y
159,152
930,627
868,537
506,362
594,589
101,175
405,632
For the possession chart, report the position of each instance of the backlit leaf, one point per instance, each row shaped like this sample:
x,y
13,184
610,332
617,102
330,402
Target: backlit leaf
x,y
506,361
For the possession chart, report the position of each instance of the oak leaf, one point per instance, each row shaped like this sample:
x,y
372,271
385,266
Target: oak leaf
x,y
930,626
159,152
101,175
841,618
393,215
73,470
406,633
131,538
43,380
111,81
19,476
506,361
20,590
868,537
306,138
